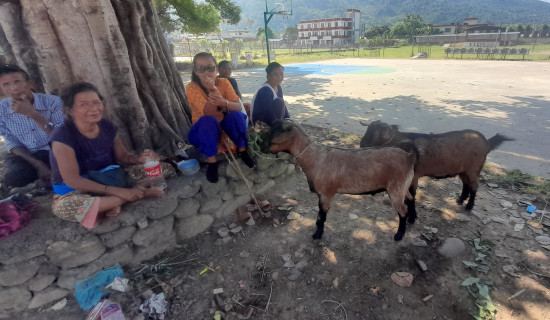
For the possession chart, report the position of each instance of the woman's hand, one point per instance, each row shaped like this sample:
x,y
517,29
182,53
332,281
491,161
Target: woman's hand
x,y
210,84
217,100
129,195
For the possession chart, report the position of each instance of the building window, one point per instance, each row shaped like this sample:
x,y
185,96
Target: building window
x,y
328,24
309,25
322,25
315,25
447,29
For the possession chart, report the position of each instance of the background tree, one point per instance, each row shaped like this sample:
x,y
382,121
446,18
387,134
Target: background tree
x,y
399,30
377,31
196,17
291,34
117,45
414,25
260,34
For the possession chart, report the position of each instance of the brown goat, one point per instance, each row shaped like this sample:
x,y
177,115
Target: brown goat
x,y
349,171
443,155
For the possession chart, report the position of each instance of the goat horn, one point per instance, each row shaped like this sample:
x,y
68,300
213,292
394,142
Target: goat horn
x,y
363,123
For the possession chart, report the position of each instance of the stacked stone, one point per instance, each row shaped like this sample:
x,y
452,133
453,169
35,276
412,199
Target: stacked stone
x,y
37,268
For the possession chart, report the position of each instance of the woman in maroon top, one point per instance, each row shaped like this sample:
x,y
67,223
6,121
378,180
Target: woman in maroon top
x,y
88,144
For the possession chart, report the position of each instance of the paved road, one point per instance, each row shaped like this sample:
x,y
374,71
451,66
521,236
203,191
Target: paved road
x,y
509,97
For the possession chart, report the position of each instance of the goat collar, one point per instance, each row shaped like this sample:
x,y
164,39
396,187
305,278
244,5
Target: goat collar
x,y
302,153
392,135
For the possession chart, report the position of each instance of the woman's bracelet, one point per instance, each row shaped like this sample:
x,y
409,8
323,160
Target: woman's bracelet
x,y
106,189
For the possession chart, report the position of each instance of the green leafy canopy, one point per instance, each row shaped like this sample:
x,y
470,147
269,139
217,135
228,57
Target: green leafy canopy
x,y
194,16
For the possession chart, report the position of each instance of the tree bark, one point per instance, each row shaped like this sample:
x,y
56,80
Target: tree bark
x,y
115,44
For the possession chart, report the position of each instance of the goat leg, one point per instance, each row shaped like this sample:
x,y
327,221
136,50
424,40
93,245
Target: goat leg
x,y
411,206
470,204
321,218
464,195
402,228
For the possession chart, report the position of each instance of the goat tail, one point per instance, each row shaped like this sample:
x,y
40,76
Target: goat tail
x,y
497,140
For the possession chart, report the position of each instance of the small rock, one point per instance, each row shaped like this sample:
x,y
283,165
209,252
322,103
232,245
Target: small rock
x,y
511,270
517,220
294,275
353,216
275,276
452,247
293,215
223,232
284,208
519,226
431,229
236,230
244,254
492,185
422,265
217,291
289,264
227,239
301,264
543,240
400,298
501,254
500,220
142,224
506,204
402,279
417,242
286,257
250,222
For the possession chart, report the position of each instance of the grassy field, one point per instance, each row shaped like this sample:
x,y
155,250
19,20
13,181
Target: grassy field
x,y
286,56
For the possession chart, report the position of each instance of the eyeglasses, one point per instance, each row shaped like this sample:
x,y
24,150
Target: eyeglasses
x,y
90,105
203,69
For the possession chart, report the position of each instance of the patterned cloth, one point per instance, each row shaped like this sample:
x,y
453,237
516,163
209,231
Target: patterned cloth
x,y
197,98
75,206
20,131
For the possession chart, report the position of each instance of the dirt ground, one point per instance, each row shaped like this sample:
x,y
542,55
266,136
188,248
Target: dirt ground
x,y
347,275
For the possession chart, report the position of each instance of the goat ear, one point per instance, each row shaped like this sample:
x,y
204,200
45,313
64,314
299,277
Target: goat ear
x,y
363,123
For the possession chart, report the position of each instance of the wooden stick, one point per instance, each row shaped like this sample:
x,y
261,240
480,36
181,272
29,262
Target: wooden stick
x,y
236,165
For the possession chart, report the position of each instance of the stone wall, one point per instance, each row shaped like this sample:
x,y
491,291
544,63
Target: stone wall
x,y
41,262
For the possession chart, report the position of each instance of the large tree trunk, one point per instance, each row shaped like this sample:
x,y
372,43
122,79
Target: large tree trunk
x,y
115,44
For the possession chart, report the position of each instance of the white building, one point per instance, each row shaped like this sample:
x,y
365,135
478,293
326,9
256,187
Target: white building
x,y
340,30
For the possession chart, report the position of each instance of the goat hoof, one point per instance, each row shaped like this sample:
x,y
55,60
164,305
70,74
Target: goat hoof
x,y
398,236
411,220
469,207
317,235
459,201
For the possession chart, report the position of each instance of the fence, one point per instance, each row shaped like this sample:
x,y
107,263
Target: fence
x,y
487,53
